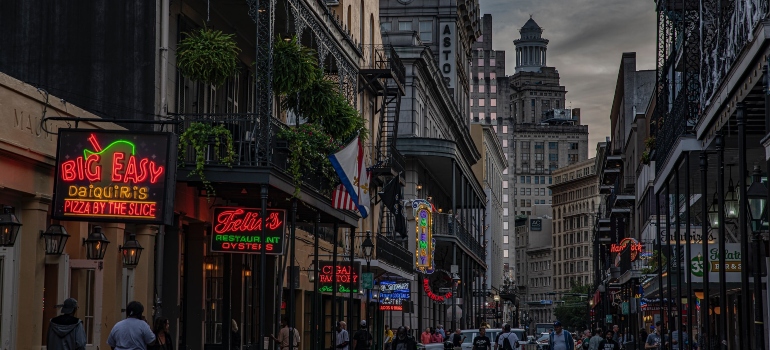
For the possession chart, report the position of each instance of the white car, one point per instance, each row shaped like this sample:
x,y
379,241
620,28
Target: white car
x,y
492,334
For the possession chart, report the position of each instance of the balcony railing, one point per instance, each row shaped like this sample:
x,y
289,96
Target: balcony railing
x,y
443,225
384,57
254,143
388,251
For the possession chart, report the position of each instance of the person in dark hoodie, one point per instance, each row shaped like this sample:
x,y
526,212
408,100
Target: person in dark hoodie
x,y
66,332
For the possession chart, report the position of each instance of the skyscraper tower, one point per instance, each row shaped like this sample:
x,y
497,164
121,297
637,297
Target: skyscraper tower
x,y
530,48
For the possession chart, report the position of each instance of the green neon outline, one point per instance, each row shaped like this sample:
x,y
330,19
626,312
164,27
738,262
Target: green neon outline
x,y
87,153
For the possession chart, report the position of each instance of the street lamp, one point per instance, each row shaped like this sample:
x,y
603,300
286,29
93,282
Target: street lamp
x,y
368,247
9,227
731,200
713,213
55,237
757,198
96,244
131,250
311,273
455,283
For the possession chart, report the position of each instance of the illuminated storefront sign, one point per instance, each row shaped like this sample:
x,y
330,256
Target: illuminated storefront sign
x,y
114,176
347,276
239,230
635,246
393,295
434,296
426,245
732,262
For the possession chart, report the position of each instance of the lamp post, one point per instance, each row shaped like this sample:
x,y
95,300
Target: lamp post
x,y
9,227
131,251
55,237
96,244
368,246
455,282
757,197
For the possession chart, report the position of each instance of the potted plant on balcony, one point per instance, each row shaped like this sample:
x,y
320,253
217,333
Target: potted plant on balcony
x,y
294,66
205,137
208,56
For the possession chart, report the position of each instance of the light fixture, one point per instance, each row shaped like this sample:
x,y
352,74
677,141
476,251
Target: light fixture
x,y
311,273
456,279
731,199
713,213
375,293
55,239
368,247
131,250
96,244
419,187
209,266
699,295
757,196
246,272
497,298
9,227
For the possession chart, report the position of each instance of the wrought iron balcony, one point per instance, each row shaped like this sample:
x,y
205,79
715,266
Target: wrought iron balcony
x,y
386,250
382,64
443,226
254,142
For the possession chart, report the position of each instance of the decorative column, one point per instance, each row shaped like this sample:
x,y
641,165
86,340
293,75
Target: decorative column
x,y
31,278
144,272
113,280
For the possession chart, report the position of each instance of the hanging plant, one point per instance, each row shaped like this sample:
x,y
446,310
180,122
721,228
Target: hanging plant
x,y
650,142
294,66
208,56
201,136
309,146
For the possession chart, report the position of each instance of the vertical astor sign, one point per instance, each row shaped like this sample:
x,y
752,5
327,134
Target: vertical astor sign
x,y
426,245
239,230
115,176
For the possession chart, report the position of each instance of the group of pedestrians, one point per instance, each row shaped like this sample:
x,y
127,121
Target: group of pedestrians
x,y
66,331
433,335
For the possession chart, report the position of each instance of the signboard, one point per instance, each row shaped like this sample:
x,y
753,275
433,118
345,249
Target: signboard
x,y
536,224
115,176
239,230
608,319
732,262
393,295
426,245
367,280
347,276
632,244
446,54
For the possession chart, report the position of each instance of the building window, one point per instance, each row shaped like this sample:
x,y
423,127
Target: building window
x,y
471,101
481,102
553,145
493,115
385,26
481,115
480,39
405,25
553,157
572,158
493,102
493,88
505,253
505,171
505,184
426,30
471,88
538,156
505,129
505,198
505,225
492,60
505,211
573,145
538,145
481,88
492,75
481,76
525,144
481,62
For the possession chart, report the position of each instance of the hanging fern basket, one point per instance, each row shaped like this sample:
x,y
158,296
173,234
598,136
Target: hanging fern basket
x,y
205,138
208,56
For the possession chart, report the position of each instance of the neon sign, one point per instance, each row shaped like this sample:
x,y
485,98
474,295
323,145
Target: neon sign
x,y
347,276
386,307
114,176
239,230
434,296
393,295
636,247
426,245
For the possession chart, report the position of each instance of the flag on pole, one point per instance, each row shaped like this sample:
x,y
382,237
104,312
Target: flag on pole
x,y
350,167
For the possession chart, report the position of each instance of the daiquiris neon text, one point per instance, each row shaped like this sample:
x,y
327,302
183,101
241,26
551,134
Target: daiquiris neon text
x,y
111,175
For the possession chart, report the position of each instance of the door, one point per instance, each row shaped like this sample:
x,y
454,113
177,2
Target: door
x,y
85,285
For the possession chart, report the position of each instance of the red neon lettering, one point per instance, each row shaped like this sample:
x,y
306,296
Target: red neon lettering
x,y
68,170
92,163
80,167
95,143
155,172
239,220
130,174
143,167
116,166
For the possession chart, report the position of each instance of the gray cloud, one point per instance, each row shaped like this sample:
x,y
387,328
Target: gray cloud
x,y
587,39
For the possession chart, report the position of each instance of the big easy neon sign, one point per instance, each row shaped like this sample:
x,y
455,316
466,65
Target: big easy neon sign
x,y
114,176
239,230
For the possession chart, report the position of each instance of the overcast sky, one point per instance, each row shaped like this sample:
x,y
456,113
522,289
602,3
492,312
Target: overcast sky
x,y
587,39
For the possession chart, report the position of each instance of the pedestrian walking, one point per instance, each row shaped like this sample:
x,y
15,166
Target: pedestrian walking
x,y
560,339
458,338
441,331
66,332
403,341
162,336
133,333
343,338
609,343
507,340
387,338
593,344
481,341
425,336
654,341
284,334
435,336
362,339
235,335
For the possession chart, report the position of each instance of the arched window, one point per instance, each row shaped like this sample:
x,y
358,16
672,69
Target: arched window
x,y
361,23
350,10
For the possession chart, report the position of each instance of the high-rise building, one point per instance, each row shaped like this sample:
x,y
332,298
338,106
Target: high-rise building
x,y
576,199
546,134
489,96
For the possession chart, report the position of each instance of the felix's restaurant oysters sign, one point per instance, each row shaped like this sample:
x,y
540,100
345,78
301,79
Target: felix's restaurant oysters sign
x,y
239,230
114,176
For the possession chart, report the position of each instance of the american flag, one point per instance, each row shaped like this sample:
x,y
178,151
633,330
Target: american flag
x,y
341,199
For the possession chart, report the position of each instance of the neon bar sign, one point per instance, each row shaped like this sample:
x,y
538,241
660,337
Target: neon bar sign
x,y
239,230
426,245
636,247
434,296
347,276
114,176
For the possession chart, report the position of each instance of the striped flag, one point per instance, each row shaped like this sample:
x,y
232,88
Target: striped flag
x,y
341,199
350,166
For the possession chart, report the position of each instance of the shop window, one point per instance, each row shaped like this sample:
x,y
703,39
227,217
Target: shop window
x,y
213,324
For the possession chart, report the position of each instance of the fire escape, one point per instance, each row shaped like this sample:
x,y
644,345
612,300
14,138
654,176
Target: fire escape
x,y
383,75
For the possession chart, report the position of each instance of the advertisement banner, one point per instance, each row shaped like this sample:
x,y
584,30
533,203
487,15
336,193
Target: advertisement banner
x,y
239,230
732,266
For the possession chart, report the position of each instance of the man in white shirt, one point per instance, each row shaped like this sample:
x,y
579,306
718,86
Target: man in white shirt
x,y
513,339
343,339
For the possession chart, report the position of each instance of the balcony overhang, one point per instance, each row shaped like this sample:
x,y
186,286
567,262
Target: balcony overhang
x,y
613,161
620,211
604,222
623,201
610,175
605,189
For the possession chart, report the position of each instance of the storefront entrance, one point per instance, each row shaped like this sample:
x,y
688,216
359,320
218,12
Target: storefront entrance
x,y
86,285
